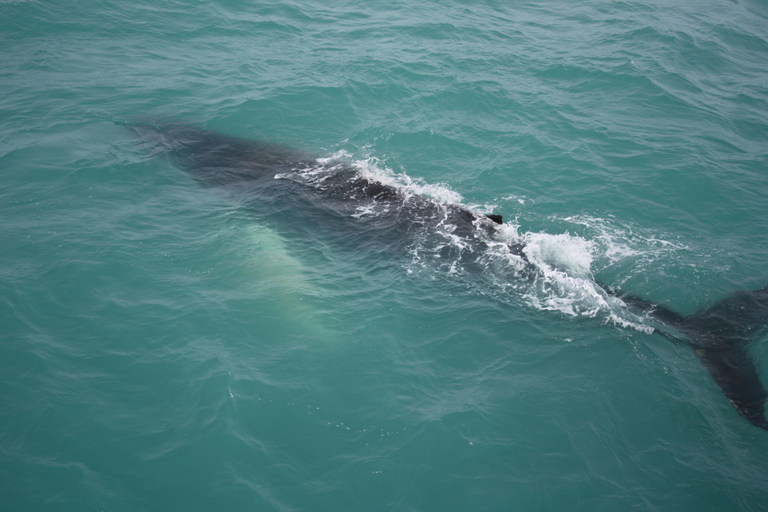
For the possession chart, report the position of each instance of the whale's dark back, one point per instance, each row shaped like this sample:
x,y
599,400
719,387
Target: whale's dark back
x,y
220,160
720,335
336,188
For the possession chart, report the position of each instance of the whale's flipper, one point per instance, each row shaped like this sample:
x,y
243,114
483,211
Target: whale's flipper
x,y
719,335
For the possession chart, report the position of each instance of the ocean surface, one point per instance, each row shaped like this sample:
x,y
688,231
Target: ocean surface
x,y
165,346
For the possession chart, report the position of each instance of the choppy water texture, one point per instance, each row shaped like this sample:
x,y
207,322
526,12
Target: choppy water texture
x,y
164,346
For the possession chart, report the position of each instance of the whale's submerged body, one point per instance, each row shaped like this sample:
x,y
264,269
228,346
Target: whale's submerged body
x,y
455,234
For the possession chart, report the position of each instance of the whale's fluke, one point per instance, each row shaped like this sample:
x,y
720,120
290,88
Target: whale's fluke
x,y
719,335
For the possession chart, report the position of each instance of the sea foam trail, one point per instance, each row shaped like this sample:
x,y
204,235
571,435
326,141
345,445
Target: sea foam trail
x,y
553,272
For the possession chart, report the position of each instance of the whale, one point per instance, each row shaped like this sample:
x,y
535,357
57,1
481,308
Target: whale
x,y
262,172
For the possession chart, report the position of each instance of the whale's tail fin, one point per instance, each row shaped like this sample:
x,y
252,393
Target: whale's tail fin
x,y
719,335
734,371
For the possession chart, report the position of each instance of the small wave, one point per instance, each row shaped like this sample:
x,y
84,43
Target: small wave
x,y
616,242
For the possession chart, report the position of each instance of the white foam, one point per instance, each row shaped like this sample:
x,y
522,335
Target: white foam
x,y
508,232
520,199
563,278
564,252
372,169
336,157
563,281
618,243
364,211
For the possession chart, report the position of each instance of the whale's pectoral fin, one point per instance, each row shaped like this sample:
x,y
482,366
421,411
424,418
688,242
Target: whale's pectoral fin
x,y
495,218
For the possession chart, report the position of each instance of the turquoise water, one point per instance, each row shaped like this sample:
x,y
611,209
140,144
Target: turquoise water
x,y
164,347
